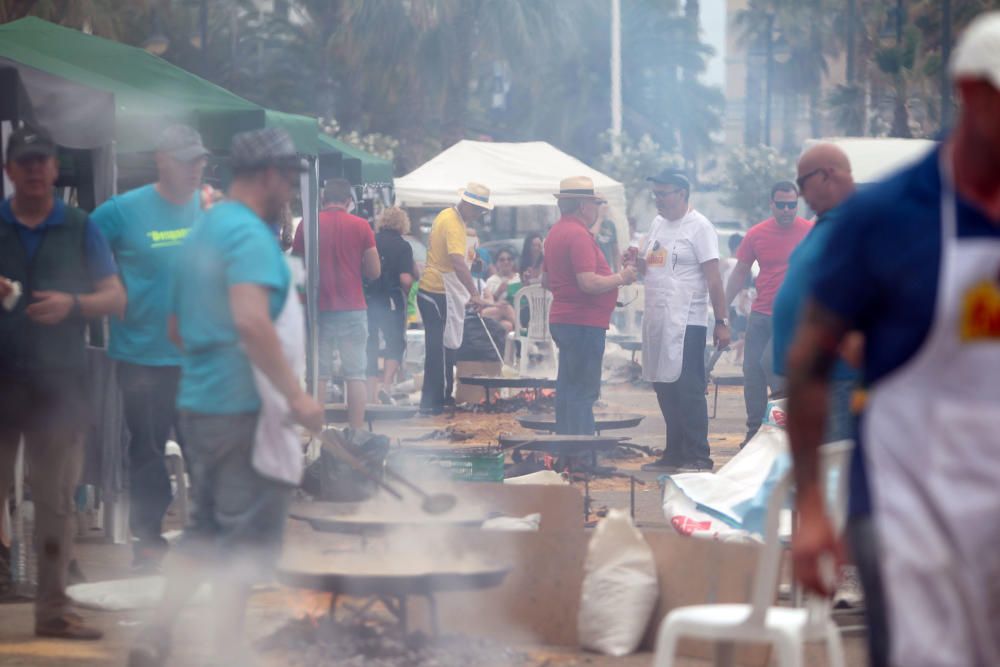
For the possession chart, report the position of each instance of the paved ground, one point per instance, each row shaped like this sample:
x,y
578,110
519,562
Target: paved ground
x,y
270,608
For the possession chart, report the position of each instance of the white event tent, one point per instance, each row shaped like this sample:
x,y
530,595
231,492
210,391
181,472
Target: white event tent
x,y
874,158
518,174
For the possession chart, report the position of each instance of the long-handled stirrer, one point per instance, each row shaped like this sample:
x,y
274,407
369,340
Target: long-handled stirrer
x,y
506,370
433,503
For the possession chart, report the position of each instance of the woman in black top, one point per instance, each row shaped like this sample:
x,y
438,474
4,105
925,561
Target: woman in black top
x,y
386,298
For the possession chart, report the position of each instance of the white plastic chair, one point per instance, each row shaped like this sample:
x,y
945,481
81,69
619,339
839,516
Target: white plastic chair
x,y
539,305
787,629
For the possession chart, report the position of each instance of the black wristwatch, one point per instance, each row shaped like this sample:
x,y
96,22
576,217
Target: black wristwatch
x,y
724,322
75,311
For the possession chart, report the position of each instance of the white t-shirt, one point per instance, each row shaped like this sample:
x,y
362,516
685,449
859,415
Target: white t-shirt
x,y
493,283
693,241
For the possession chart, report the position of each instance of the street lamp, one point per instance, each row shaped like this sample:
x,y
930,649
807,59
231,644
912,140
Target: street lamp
x,y
777,51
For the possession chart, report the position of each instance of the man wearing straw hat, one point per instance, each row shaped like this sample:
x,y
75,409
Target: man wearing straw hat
x,y
584,293
446,288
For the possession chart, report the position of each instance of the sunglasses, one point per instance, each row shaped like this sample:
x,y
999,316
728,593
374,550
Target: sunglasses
x,y
663,194
787,205
802,180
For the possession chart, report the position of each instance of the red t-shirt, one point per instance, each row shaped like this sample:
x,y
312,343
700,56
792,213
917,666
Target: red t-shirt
x,y
343,240
770,245
570,249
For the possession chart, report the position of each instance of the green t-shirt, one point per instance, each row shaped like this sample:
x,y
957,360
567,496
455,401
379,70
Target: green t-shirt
x,y
229,246
145,232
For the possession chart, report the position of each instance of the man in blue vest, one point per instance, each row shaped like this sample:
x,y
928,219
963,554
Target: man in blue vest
x,y
56,272
145,228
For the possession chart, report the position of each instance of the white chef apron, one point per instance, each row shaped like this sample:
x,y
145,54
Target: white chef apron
x,y
665,315
277,450
932,442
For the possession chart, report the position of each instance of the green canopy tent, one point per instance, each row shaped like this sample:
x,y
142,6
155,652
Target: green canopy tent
x,y
354,164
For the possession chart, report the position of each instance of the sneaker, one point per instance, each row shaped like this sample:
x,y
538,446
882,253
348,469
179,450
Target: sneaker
x,y
147,557
67,626
384,398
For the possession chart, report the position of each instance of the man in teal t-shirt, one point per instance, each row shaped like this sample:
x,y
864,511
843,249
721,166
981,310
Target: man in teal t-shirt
x,y
145,229
230,285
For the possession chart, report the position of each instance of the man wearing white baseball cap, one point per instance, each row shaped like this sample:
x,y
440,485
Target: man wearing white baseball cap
x,y
930,316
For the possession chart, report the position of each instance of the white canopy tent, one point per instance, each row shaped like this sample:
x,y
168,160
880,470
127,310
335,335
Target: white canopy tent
x,y
872,158
518,174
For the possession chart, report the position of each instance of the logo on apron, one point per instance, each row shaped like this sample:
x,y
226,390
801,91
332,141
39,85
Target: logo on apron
x,y
657,256
980,315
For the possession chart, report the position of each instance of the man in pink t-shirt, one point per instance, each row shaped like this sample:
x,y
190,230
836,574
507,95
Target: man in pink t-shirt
x,y
584,291
769,243
347,257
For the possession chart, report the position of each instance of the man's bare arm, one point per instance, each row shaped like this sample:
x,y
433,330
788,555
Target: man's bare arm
x,y
737,280
811,357
371,264
249,305
463,273
108,298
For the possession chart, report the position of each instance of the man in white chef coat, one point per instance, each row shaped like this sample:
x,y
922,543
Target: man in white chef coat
x,y
679,259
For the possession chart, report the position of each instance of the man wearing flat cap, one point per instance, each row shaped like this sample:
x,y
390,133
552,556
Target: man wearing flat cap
x,y
584,292
679,260
145,229
237,318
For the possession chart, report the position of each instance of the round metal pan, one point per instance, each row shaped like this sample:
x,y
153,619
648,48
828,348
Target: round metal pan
x,y
608,422
334,577
336,413
562,445
509,383
355,518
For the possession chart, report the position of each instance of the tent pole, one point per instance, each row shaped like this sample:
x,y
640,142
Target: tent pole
x,y
310,218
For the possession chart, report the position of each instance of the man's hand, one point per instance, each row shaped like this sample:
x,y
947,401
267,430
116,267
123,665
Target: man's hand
x,y
722,336
628,274
478,302
6,288
814,543
50,307
307,411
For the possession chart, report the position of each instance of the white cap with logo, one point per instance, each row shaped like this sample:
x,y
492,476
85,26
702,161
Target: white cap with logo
x,y
977,54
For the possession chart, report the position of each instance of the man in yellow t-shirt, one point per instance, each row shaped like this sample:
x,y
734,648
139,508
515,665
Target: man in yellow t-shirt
x,y
446,288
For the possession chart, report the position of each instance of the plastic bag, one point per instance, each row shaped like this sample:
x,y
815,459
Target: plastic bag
x,y
619,587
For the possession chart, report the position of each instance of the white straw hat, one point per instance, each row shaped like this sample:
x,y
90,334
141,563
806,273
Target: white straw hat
x,y
477,194
977,54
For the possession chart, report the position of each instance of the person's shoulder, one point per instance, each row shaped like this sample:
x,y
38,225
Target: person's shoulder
x,y
894,199
761,226
447,215
697,221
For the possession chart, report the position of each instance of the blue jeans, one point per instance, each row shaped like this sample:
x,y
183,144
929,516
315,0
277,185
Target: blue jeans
x,y
344,331
578,385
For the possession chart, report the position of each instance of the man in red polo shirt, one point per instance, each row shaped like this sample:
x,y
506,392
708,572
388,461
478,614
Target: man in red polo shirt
x,y
347,254
769,243
584,293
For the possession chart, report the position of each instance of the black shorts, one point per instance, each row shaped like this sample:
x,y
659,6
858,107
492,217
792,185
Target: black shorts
x,y
389,320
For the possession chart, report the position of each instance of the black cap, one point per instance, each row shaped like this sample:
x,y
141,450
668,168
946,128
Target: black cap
x,y
673,177
270,147
26,142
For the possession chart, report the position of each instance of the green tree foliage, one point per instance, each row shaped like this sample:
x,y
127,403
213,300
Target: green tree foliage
x,y
749,175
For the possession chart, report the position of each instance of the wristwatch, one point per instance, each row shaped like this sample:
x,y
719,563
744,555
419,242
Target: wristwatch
x,y
75,311
724,322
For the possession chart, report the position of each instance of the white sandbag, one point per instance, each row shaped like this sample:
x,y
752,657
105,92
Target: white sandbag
x,y
529,523
619,587
543,477
125,594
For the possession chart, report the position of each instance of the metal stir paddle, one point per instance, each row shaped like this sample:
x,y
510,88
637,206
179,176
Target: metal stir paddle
x,y
432,503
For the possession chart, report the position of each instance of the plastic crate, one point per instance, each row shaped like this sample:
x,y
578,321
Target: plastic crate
x,y
465,464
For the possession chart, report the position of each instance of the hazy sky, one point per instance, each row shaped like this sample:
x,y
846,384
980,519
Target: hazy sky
x,y
713,31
